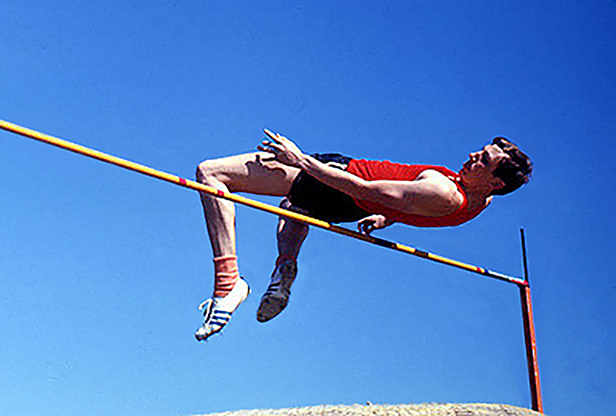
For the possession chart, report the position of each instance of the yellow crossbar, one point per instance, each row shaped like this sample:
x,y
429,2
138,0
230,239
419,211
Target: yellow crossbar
x,y
64,144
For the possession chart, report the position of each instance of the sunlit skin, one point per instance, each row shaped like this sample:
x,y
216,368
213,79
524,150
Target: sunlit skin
x,y
272,171
477,174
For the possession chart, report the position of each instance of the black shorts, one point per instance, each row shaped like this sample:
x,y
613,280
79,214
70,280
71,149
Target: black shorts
x,y
324,202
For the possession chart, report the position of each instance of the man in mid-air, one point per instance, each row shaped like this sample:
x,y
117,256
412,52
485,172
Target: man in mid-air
x,y
336,188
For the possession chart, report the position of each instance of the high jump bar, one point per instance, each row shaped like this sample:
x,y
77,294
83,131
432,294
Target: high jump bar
x,y
523,284
186,183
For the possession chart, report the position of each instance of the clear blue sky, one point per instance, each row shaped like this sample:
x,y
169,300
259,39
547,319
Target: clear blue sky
x,y
101,269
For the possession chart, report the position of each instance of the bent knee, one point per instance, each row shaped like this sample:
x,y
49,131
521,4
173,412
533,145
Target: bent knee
x,y
207,171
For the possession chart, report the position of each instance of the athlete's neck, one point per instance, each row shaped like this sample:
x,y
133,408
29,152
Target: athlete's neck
x,y
477,196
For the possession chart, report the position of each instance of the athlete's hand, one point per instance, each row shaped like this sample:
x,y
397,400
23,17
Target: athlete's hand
x,y
373,222
282,149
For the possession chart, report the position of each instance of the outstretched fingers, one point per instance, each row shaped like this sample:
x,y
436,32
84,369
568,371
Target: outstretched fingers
x,y
282,149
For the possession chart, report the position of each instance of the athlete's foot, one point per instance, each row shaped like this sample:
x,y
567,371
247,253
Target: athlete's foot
x,y
276,296
217,311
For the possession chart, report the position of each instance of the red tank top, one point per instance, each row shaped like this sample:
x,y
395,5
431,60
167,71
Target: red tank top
x,y
372,170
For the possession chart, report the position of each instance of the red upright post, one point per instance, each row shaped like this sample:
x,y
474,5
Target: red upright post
x,y
529,335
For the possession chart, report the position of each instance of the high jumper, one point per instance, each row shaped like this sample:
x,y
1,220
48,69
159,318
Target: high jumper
x,y
336,188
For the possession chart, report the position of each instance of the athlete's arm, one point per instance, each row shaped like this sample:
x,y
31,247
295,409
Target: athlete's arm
x,y
373,222
431,194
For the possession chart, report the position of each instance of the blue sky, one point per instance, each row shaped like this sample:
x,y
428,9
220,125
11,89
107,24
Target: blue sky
x,y
102,269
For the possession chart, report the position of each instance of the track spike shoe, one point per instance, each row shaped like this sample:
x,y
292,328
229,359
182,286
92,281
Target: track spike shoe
x,y
217,311
276,297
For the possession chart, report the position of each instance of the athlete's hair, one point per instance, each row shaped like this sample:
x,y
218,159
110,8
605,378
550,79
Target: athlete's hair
x,y
514,170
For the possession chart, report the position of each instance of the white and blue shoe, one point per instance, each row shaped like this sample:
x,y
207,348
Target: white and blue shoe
x,y
217,311
276,297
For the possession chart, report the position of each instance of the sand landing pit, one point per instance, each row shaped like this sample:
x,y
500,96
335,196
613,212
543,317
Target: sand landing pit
x,y
427,409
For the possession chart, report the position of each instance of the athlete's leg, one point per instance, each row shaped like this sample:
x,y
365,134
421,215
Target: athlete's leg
x,y
291,235
253,173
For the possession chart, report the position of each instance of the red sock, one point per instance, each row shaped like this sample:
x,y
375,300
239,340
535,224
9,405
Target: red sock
x,y
226,274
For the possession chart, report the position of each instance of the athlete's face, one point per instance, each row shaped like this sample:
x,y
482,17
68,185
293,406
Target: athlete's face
x,y
480,166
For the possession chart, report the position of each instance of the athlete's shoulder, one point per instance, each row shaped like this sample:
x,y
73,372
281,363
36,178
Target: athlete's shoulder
x,y
447,195
438,176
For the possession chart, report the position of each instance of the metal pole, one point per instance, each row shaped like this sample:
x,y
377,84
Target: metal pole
x,y
529,335
252,203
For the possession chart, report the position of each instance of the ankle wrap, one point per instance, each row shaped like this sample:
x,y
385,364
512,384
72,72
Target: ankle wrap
x,y
226,273
285,259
